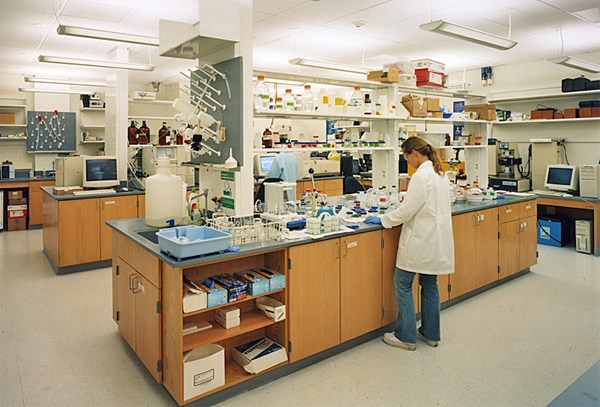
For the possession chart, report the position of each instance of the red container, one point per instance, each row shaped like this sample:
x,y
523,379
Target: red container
x,y
571,113
589,112
426,77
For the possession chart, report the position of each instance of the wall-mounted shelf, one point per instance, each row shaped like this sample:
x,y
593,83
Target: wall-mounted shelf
x,y
447,121
296,149
439,92
546,96
13,138
579,120
11,106
91,142
316,115
150,102
13,125
92,126
467,146
92,109
150,118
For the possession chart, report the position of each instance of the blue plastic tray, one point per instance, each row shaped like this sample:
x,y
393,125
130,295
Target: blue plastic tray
x,y
201,240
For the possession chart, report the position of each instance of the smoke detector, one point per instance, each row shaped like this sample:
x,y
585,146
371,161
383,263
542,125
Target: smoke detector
x,y
358,24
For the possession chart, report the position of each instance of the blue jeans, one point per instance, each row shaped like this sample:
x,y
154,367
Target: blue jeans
x,y
406,324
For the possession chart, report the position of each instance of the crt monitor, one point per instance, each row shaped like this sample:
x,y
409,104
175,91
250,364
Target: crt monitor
x,y
100,172
562,178
262,164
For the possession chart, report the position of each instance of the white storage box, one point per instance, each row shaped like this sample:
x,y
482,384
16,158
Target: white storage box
x,y
259,355
271,308
194,300
227,322
203,370
429,64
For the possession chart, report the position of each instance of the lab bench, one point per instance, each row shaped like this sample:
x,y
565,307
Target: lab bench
x,y
339,290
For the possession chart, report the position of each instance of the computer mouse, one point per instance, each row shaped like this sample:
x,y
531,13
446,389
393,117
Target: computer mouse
x,y
124,189
566,195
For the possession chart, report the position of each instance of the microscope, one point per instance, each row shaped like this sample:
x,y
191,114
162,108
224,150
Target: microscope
x,y
509,177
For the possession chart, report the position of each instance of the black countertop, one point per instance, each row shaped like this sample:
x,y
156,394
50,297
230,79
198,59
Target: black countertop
x,y
26,179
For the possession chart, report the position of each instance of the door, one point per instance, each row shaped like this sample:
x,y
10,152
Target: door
x,y
78,231
114,208
141,209
463,279
124,300
528,243
486,247
147,324
360,284
508,247
314,298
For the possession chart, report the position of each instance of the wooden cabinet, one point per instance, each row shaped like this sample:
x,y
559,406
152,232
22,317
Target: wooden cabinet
x,y
35,209
137,308
314,292
335,292
517,243
114,208
141,206
475,251
331,187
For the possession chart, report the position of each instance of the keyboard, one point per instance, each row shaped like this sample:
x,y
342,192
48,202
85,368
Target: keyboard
x,y
544,192
95,192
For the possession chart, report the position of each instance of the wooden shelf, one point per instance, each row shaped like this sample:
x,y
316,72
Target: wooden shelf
x,y
249,321
546,96
248,298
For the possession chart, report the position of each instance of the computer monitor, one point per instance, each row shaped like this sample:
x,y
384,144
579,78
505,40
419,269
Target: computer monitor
x,y
563,178
100,172
262,164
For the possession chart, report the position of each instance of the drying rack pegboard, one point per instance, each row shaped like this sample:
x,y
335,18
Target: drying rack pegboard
x,y
49,132
231,117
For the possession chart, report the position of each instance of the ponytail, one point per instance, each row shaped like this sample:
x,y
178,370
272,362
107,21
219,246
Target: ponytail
x,y
426,149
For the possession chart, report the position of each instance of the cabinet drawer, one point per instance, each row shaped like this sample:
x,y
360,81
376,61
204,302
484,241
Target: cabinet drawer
x,y
508,213
527,209
142,261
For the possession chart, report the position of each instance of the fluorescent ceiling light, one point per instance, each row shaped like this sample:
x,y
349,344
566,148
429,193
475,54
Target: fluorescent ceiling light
x,y
106,35
96,63
36,90
576,63
329,65
66,81
468,34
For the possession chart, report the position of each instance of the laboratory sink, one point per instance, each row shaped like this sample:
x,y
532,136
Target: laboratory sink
x,y
149,235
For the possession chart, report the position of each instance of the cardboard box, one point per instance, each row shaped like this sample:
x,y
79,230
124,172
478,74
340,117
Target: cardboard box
x,y
427,63
195,300
558,115
227,323
542,114
7,118
258,355
589,112
571,113
386,75
257,284
236,289
435,115
426,77
433,104
20,207
416,107
276,280
230,312
484,112
12,194
215,294
203,370
271,308
17,224
20,213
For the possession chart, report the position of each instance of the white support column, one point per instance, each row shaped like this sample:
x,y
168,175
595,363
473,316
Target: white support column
x,y
116,111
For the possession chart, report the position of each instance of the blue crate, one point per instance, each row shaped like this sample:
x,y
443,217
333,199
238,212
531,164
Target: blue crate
x,y
552,232
201,240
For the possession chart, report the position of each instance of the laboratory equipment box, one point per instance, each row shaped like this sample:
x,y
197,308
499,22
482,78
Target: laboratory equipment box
x,y
276,280
271,308
257,284
427,63
16,224
7,118
236,289
14,194
426,77
387,76
228,317
203,370
584,236
553,232
215,294
416,107
258,355
484,111
433,104
189,241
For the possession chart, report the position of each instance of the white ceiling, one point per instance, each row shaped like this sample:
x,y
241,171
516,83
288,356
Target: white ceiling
x,y
285,29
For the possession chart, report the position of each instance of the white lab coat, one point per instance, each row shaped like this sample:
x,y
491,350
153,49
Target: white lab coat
x,y
284,167
426,243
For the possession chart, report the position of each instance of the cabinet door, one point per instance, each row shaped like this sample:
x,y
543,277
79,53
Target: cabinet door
x,y
361,284
114,208
141,208
486,247
147,325
36,215
390,302
466,268
528,243
508,247
124,300
314,298
78,231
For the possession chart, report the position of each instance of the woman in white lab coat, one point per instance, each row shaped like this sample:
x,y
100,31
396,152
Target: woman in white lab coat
x,y
426,245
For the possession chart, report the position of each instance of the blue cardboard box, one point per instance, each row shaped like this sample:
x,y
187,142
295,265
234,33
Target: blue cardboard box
x,y
276,280
257,283
236,289
216,294
552,232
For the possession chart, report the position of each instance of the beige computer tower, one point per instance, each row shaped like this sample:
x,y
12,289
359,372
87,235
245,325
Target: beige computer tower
x,y
543,154
68,171
589,181
493,153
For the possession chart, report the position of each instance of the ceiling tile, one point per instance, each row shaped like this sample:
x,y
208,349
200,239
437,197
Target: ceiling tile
x,y
275,28
274,7
316,12
97,11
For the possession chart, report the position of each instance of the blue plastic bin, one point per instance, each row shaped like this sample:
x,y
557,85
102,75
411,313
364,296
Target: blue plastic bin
x,y
201,240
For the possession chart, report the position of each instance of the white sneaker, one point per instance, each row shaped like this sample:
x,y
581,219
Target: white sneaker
x,y
429,342
390,339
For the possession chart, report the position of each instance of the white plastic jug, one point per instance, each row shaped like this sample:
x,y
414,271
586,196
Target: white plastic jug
x,y
165,197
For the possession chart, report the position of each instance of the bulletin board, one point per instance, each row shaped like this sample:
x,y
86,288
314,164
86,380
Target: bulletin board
x,y
49,132
231,117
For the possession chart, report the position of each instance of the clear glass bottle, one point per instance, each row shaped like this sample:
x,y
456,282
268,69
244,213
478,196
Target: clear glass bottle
x,y
308,104
356,99
288,100
261,94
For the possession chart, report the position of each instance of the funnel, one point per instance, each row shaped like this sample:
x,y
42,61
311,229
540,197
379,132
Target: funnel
x,y
231,162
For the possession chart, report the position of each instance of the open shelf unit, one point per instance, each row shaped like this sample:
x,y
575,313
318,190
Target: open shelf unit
x,y
92,120
19,110
555,121
560,95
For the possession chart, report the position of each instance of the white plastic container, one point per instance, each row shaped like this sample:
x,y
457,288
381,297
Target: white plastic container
x,y
165,197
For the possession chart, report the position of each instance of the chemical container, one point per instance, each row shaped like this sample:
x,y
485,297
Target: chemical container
x,y
165,197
